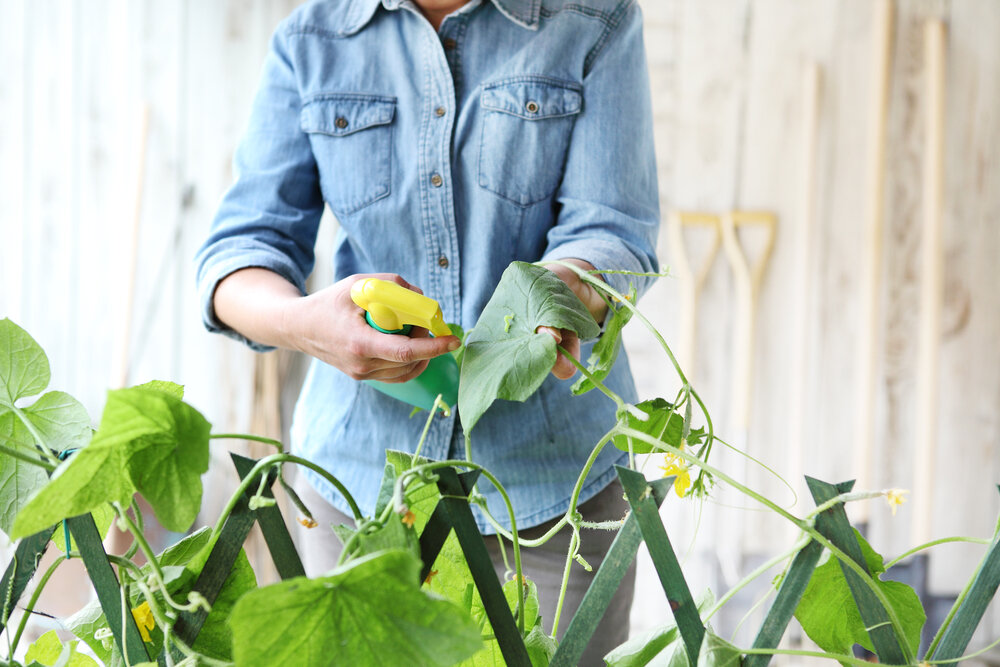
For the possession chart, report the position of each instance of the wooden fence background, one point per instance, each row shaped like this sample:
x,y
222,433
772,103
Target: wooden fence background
x,y
727,81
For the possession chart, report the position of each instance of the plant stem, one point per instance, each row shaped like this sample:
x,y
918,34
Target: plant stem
x,y
42,447
243,436
753,575
574,544
262,465
843,659
140,539
427,428
27,458
33,601
934,543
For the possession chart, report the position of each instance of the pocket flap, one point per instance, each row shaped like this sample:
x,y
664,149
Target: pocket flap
x,y
533,97
343,114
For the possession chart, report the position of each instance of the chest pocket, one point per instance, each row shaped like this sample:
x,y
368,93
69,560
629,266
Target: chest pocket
x,y
527,123
351,138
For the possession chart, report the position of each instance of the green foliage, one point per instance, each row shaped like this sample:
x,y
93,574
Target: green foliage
x,y
829,615
504,357
149,441
56,421
49,651
361,613
24,368
663,424
181,564
605,352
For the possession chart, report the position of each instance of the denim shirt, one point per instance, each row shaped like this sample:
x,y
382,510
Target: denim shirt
x,y
521,130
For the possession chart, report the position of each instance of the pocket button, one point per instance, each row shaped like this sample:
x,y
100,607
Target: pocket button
x,y
531,107
341,122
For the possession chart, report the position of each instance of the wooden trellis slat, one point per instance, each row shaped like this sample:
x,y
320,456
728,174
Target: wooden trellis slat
x,y
595,601
834,526
20,571
971,609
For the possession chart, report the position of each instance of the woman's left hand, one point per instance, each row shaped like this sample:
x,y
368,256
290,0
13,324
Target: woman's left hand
x,y
566,338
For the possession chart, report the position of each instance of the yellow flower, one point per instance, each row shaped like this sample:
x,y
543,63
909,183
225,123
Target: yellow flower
x,y
308,522
895,498
683,478
409,518
144,619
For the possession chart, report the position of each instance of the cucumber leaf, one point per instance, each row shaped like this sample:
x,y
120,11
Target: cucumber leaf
x,y
829,615
663,424
504,357
58,419
605,352
24,368
149,441
18,479
306,622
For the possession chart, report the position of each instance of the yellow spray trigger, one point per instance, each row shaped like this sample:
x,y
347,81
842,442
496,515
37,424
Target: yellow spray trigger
x,y
392,306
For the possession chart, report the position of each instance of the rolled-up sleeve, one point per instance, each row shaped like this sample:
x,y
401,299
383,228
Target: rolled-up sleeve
x,y
270,215
608,200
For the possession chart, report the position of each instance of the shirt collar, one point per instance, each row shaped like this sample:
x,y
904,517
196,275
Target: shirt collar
x,y
525,13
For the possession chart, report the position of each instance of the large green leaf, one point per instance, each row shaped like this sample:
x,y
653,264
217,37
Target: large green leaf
x,y
663,424
90,478
24,368
829,615
149,441
367,612
605,352
504,357
61,421
18,479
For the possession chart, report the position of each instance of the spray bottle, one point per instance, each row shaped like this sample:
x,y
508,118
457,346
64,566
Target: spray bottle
x,y
393,309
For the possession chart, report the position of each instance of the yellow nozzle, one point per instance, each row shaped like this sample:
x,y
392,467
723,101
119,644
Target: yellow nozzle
x,y
392,306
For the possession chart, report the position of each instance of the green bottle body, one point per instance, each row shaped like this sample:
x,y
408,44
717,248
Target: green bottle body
x,y
440,377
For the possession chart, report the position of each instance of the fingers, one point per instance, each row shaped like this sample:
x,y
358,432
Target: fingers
x,y
564,369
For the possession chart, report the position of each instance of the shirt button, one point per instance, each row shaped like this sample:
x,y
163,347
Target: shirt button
x,y
443,262
449,44
436,180
341,122
440,111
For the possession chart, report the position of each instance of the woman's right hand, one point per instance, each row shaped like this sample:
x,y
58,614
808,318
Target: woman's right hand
x,y
327,325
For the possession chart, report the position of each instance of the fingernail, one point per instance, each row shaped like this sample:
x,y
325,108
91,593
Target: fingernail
x,y
453,345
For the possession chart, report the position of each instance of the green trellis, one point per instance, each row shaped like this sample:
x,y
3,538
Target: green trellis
x,y
454,513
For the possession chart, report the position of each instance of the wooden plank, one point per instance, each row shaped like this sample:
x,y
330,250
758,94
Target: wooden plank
x,y
20,570
604,585
790,591
481,567
834,526
106,585
645,509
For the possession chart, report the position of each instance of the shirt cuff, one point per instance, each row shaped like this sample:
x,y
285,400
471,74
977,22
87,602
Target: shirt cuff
x,y
226,258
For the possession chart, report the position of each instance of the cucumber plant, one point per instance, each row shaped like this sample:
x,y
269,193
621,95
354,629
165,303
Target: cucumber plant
x,y
382,602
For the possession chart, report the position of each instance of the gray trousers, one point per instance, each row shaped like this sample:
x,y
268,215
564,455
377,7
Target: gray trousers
x,y
320,549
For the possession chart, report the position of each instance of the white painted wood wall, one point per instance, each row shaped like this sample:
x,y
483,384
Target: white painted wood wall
x,y
726,78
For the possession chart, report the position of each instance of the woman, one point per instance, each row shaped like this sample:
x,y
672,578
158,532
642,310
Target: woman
x,y
449,138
